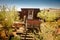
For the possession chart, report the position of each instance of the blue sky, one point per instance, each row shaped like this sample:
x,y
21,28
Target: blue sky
x,y
32,3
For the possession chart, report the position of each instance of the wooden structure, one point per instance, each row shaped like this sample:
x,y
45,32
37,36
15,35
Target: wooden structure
x,y
30,14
